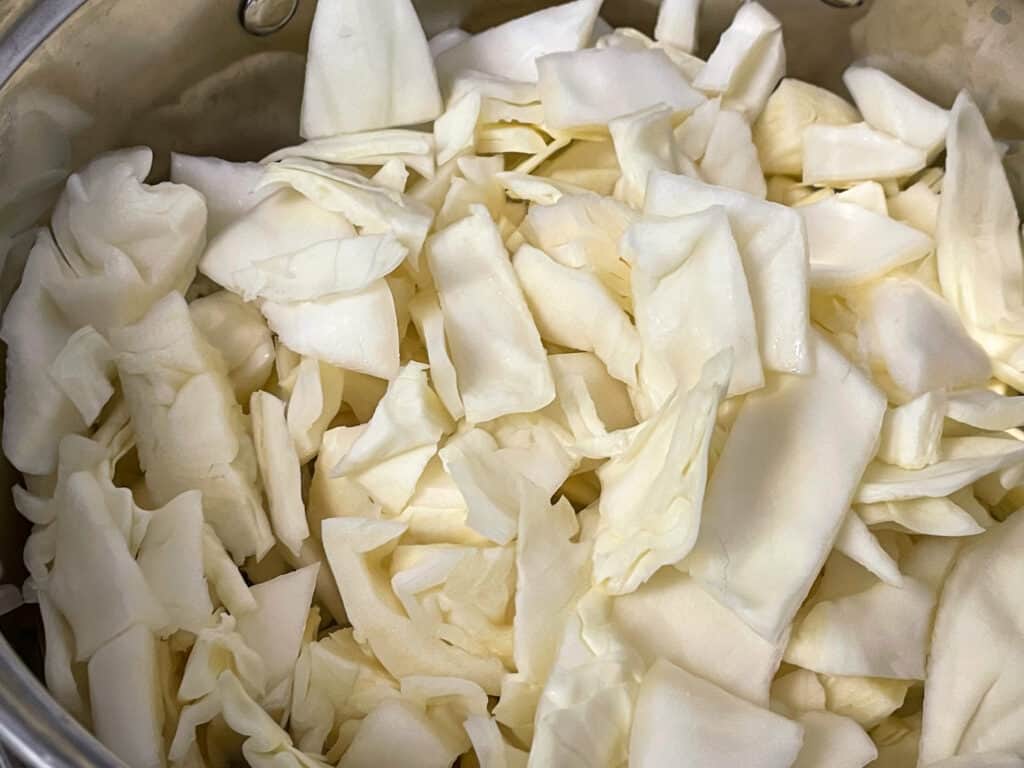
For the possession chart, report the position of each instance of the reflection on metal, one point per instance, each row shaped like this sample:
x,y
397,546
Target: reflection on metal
x,y
264,17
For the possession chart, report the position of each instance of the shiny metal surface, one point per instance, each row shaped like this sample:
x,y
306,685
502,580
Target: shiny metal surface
x,y
82,76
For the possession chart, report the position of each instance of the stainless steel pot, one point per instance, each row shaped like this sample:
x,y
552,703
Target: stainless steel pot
x,y
82,76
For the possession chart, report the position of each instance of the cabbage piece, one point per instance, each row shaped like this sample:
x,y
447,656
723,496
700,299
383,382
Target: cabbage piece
x,y
171,559
425,310
838,415
979,248
865,700
399,733
862,546
64,679
475,183
375,148
831,741
572,308
445,39
37,413
691,302
552,573
584,712
693,134
869,195
408,417
678,713
609,396
282,224
511,49
643,141
592,87
918,206
838,155
84,370
223,576
229,188
455,130
779,130
191,432
355,548
962,460
95,582
672,617
863,627
313,403
919,339
985,409
848,244
730,157
797,692
350,88
331,267
889,106
747,63
274,630
971,703
358,332
374,209
337,496
677,24
280,470
929,516
635,40
536,189
584,231
503,138
983,760
124,689
217,649
239,333
125,243
498,357
772,245
489,745
652,494
911,432
335,681
392,175
490,477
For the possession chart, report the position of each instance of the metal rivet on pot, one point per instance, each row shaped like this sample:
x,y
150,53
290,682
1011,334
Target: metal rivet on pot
x,y
264,17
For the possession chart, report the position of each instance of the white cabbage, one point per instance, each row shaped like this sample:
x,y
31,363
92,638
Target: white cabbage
x,y
730,157
652,493
126,699
420,743
865,700
360,56
590,88
355,548
677,24
217,649
838,415
890,106
918,206
573,308
425,310
84,370
797,692
375,148
911,432
848,244
313,402
643,142
747,63
455,130
494,344
125,243
229,188
673,618
691,302
931,516
678,713
191,432
842,155
223,576
280,470
859,544
275,628
831,741
772,244
962,460
972,698
985,409
511,49
239,333
792,107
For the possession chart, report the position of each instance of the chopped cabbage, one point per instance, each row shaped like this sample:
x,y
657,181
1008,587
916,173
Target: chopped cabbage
x,y
843,155
730,157
361,54
677,24
280,470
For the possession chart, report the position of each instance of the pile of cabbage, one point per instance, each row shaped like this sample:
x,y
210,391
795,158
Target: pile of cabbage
x,y
629,409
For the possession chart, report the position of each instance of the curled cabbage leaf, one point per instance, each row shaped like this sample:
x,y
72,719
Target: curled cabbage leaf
x,y
240,334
